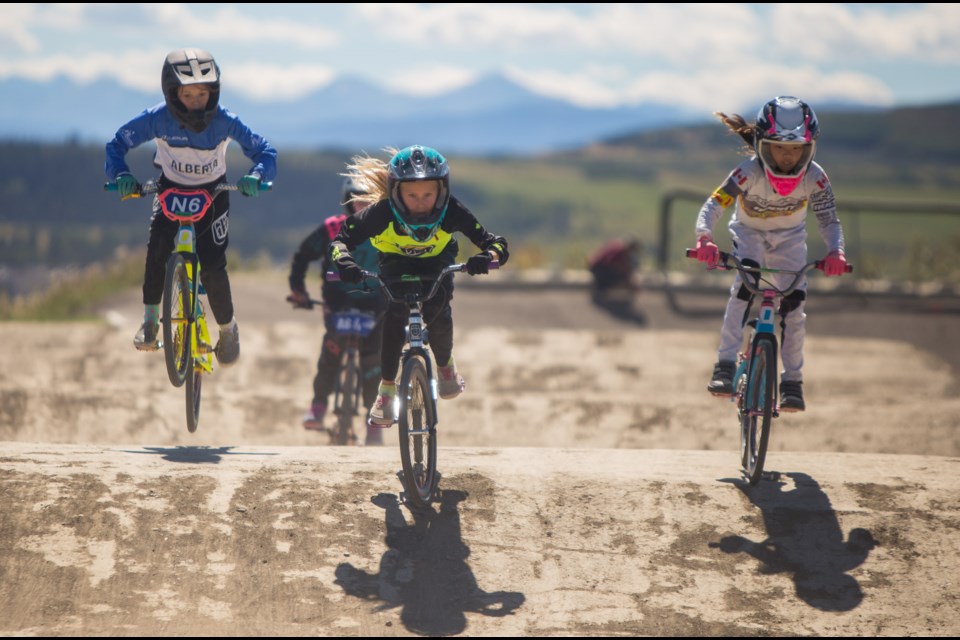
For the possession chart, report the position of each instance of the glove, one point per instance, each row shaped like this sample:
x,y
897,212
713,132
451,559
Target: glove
x,y
707,251
300,300
835,264
249,185
479,263
127,185
350,271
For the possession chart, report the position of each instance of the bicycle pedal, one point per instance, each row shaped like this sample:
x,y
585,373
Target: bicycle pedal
x,y
204,347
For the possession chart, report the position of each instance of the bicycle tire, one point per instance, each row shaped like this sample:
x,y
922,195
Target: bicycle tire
x,y
193,388
756,407
418,434
177,298
345,403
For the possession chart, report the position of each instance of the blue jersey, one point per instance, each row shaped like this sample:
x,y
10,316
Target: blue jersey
x,y
185,157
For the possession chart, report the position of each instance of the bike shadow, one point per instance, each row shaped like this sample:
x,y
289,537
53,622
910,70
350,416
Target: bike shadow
x,y
804,538
425,571
196,455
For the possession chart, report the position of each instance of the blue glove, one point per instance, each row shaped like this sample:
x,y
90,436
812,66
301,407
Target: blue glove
x,y
350,271
478,264
127,185
249,185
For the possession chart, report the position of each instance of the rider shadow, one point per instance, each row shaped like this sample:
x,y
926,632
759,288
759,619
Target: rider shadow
x,y
804,538
425,571
195,455
620,304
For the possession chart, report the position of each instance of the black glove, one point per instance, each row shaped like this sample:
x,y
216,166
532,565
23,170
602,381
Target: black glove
x,y
299,300
478,264
350,271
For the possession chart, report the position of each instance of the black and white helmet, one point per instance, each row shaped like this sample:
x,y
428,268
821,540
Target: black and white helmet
x,y
786,120
351,187
185,67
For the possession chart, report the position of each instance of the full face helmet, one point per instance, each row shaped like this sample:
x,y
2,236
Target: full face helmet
x,y
351,187
786,120
185,67
418,164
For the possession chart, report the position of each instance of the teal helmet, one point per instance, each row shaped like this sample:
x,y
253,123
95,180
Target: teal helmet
x,y
418,164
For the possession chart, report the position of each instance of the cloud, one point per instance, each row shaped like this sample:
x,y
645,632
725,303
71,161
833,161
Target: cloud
x,y
821,31
430,81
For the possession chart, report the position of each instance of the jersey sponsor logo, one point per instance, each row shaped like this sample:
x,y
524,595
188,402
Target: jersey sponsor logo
x,y
415,251
219,227
762,208
185,168
723,198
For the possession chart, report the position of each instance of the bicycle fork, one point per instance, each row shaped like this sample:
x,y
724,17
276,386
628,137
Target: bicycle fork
x,y
765,324
185,244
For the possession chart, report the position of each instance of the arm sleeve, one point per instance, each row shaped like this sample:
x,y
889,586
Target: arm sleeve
x,y
313,247
255,147
823,204
130,135
712,210
467,224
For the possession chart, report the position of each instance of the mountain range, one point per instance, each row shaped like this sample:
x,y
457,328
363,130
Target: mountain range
x,y
491,116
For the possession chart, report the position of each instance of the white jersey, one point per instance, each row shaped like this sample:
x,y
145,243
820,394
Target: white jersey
x,y
760,207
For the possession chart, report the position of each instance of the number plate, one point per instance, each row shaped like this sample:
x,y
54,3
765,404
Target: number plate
x,y
185,204
354,323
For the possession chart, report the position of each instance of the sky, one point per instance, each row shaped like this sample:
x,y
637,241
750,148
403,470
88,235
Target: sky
x,y
714,57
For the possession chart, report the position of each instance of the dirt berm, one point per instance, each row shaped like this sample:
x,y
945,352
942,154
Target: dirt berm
x,y
590,484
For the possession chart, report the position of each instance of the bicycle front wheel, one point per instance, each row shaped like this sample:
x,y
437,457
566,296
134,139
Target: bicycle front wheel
x,y
756,407
345,404
193,388
418,434
177,298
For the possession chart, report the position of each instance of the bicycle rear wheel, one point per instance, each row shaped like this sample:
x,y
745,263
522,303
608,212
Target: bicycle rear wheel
x,y
756,407
177,298
418,434
345,403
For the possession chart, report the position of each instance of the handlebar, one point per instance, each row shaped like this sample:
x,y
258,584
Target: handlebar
x,y
152,186
753,287
334,276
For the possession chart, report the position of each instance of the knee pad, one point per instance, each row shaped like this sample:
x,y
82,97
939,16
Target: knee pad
x,y
744,293
792,302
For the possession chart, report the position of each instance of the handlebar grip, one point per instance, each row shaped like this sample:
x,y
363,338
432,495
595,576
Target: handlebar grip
x,y
266,186
110,186
691,253
333,276
494,264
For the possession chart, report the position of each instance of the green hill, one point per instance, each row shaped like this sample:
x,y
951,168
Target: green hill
x,y
553,208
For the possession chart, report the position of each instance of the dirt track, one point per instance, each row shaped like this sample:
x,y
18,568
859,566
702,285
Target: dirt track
x,y
589,485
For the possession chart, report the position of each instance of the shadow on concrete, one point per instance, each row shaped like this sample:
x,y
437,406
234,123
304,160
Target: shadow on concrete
x,y
425,571
804,538
196,455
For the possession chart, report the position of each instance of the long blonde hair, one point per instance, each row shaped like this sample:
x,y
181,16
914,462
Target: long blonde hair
x,y
739,126
371,175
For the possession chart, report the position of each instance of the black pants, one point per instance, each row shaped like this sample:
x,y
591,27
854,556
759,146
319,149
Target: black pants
x,y
328,365
212,240
437,315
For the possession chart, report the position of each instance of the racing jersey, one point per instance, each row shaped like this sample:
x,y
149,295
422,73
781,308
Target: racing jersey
x,y
760,207
378,224
185,157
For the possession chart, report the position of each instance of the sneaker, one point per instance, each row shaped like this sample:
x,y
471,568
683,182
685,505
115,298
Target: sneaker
x,y
721,384
384,411
791,396
313,421
374,437
228,347
146,338
450,384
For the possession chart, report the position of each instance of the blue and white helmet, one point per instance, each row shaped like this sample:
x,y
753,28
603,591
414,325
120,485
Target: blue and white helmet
x,y
417,164
786,120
